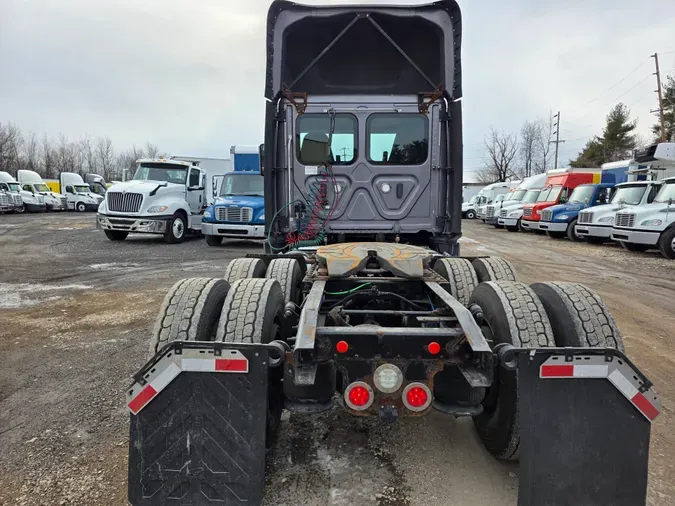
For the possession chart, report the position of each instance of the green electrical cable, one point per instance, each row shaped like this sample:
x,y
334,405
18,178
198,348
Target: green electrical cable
x,y
347,292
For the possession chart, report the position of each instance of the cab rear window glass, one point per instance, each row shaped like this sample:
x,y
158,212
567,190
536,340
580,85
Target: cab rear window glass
x,y
397,139
314,132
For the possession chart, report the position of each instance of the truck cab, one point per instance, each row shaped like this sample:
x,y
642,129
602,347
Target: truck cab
x,y
595,225
559,185
33,183
469,208
165,197
22,200
238,210
560,220
652,225
492,194
492,210
78,193
96,184
10,194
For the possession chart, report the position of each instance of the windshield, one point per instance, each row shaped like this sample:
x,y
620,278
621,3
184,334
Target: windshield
x,y
530,196
473,199
40,187
631,195
250,185
666,193
98,188
166,172
517,195
582,194
83,188
543,196
14,187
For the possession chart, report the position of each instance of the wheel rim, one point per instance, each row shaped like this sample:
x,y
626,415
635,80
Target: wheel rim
x,y
178,228
672,245
80,207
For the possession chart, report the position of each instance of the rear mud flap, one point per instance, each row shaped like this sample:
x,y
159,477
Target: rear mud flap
x,y
201,440
583,441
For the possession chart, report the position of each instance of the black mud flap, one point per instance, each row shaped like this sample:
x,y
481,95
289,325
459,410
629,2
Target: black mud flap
x,y
585,421
200,438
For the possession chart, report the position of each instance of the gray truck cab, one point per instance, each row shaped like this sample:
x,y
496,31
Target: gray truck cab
x,y
347,161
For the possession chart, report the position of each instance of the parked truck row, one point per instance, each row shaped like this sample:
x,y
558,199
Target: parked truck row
x,y
629,202
30,193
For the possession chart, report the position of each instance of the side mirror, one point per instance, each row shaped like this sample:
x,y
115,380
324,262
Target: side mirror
x,y
261,158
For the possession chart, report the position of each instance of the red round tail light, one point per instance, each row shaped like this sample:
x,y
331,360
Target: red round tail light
x,y
417,397
359,396
434,348
342,346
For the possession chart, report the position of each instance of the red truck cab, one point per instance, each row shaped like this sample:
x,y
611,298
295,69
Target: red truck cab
x,y
557,189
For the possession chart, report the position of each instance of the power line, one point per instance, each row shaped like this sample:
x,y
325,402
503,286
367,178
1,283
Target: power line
x,y
611,87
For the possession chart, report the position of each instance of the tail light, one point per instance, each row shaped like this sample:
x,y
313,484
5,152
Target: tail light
x,y
359,396
388,378
417,397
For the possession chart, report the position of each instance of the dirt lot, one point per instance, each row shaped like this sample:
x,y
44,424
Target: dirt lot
x,y
75,312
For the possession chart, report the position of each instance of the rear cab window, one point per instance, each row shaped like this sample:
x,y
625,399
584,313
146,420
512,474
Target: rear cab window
x,y
397,139
312,135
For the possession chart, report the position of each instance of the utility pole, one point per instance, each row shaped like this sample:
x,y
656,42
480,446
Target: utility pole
x,y
557,140
658,90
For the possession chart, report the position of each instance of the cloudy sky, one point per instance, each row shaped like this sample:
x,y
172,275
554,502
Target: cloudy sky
x,y
188,76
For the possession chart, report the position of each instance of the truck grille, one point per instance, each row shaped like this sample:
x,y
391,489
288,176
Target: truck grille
x,y
17,200
527,212
64,202
490,212
234,214
624,220
503,213
546,215
124,202
4,199
585,217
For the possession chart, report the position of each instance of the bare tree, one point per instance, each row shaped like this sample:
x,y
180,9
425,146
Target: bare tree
x,y
530,135
49,159
106,158
11,142
31,153
543,160
502,150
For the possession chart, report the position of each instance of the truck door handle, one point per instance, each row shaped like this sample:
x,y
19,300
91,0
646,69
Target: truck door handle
x,y
399,190
200,199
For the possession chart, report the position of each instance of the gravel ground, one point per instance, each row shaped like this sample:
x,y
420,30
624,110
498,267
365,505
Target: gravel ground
x,y
75,312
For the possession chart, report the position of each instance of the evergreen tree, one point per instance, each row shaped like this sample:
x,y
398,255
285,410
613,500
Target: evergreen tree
x,y
616,143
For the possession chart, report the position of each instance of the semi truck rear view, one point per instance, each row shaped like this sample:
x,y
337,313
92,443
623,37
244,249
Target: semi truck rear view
x,y
361,302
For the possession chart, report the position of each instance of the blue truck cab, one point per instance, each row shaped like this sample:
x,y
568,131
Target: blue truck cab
x,y
238,210
559,221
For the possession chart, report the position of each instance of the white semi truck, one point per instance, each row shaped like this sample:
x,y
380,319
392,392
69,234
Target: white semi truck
x,y
33,183
78,194
651,225
165,197
10,195
33,203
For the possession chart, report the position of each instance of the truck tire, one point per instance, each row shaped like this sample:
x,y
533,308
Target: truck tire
x,y
572,233
190,312
515,228
176,229
629,246
241,268
512,314
595,240
578,316
252,313
471,214
499,226
214,240
116,235
555,235
80,207
667,243
289,275
493,269
461,277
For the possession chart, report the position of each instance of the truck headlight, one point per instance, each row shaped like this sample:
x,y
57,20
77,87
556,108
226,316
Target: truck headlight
x,y
562,217
207,214
261,217
651,223
606,219
157,209
515,214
